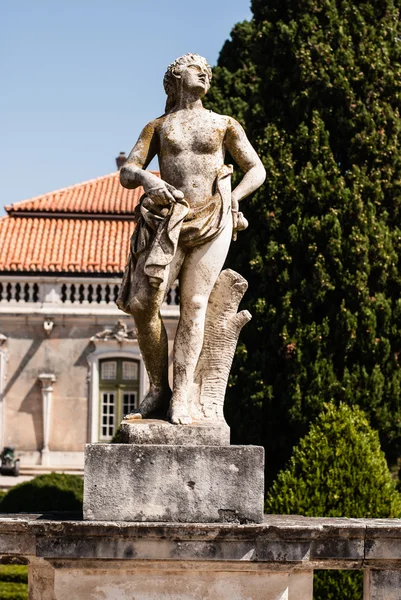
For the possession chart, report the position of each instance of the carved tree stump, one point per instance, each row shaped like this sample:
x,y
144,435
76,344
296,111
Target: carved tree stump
x,y
222,328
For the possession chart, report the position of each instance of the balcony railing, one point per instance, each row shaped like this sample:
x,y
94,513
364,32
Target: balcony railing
x,y
67,294
274,560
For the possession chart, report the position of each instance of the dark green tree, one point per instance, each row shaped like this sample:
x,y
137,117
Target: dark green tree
x,y
317,86
337,470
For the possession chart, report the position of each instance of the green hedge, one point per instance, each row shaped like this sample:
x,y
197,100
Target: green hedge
x,y
14,573
13,582
337,470
13,591
51,492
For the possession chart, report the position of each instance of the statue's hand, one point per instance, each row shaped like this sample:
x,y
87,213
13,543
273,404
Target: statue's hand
x,y
163,193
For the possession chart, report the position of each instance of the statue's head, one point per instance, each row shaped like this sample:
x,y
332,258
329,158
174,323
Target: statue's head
x,y
191,72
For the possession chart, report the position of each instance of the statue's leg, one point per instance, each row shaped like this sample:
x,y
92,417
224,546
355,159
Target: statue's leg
x,y
199,272
152,336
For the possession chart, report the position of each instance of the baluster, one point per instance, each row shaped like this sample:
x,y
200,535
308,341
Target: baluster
x,y
11,292
107,293
86,293
68,293
101,293
83,293
35,292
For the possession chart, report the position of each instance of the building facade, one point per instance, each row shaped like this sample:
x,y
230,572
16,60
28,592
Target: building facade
x,y
70,365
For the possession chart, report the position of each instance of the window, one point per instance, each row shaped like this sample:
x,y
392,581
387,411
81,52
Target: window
x,y
108,414
129,402
130,370
109,369
119,393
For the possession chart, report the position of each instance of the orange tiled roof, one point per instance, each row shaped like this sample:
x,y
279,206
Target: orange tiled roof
x,y
64,245
103,195
84,228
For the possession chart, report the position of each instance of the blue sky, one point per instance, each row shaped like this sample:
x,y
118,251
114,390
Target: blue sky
x,y
80,78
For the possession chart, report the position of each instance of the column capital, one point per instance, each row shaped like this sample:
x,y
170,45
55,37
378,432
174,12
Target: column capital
x,y
46,380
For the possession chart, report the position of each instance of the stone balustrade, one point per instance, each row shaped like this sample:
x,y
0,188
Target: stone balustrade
x,y
271,561
67,294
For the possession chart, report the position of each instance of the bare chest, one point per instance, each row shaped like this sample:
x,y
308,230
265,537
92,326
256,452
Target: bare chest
x,y
192,135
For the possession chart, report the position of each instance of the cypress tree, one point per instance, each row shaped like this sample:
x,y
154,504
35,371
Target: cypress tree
x,y
317,86
337,470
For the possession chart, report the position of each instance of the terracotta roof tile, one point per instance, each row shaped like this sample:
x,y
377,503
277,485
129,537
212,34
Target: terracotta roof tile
x,y
74,245
84,228
104,195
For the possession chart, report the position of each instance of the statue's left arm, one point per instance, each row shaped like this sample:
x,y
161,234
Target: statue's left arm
x,y
246,158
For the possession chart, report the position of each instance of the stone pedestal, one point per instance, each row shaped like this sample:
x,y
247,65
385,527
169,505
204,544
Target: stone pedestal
x,y
171,483
155,431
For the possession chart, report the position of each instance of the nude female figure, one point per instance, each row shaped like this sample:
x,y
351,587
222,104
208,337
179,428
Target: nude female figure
x,y
190,143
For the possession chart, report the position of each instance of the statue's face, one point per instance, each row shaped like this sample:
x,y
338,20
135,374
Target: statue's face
x,y
195,78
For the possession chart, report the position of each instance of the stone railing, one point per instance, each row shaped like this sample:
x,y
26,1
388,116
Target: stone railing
x,y
66,294
271,561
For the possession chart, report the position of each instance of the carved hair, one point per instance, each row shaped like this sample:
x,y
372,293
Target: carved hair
x,y
170,81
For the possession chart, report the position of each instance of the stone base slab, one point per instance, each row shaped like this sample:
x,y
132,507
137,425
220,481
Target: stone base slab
x,y
153,581
163,483
152,431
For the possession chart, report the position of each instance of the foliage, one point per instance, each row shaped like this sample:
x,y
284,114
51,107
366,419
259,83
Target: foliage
x,y
50,492
13,591
117,436
14,573
337,470
317,86
13,582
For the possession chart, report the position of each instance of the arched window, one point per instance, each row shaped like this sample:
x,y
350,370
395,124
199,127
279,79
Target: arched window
x,y
119,389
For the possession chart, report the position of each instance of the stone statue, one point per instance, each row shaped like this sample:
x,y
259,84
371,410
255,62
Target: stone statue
x,y
185,222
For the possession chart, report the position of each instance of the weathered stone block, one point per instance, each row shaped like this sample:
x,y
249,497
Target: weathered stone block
x,y
192,484
152,431
382,585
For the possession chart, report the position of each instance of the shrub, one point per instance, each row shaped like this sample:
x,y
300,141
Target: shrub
x,y
337,470
14,573
50,492
13,582
13,591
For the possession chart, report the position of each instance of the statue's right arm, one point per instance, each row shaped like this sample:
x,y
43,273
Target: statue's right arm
x,y
134,174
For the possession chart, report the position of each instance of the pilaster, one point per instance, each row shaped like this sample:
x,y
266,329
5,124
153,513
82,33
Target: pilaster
x,y
46,380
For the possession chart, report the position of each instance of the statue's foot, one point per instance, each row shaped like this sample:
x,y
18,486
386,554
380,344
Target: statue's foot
x,y
155,405
179,413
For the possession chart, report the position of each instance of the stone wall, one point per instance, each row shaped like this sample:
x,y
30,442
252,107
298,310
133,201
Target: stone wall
x,y
31,352
64,352
274,560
